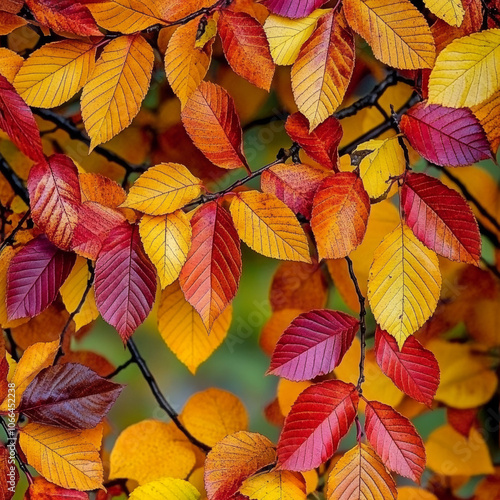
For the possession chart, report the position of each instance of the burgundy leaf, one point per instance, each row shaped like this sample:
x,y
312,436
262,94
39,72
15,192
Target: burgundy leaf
x,y
125,280
314,344
322,143
395,440
319,418
414,369
445,136
462,420
17,120
441,219
69,395
34,277
293,8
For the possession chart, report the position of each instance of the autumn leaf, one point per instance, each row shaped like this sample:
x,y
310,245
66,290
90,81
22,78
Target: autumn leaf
x,y
41,489
293,8
488,113
399,37
451,11
112,97
275,485
9,22
8,480
101,189
164,489
10,63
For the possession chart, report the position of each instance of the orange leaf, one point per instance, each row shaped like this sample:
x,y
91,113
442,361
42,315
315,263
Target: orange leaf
x,y
103,190
10,22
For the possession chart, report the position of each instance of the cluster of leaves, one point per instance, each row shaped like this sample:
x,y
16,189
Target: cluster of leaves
x,y
76,244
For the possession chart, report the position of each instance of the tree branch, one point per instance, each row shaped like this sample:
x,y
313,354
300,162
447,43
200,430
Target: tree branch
x,y
22,464
15,182
13,345
10,239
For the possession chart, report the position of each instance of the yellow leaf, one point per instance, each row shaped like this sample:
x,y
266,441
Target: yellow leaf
x,y
404,283
451,454
212,414
275,485
466,72
163,189
55,72
166,240
197,479
125,16
451,11
61,456
167,488
286,36
10,63
183,330
396,31
360,474
466,380
288,391
72,292
185,64
386,160
150,450
410,493
113,95
34,359
311,479
209,32
269,227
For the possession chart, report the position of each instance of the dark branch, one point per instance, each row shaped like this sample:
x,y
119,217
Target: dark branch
x,y
120,368
15,182
10,239
13,345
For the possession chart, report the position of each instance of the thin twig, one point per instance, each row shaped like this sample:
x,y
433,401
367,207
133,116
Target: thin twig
x,y
13,345
22,464
120,368
10,239
13,179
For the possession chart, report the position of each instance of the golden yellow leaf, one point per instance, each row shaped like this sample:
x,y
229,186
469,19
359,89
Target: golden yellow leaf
x,y
451,11
360,474
269,227
311,478
150,450
465,73
55,72
212,414
72,292
488,114
197,479
466,380
209,33
286,36
125,16
61,456
411,493
163,189
395,30
167,488
10,63
166,240
113,95
288,391
183,330
385,161
404,283
275,485
449,453
185,64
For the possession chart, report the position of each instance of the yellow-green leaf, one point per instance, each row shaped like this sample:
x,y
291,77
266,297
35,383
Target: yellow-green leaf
x,y
404,283
163,189
55,72
167,488
275,485
466,71
113,95
450,11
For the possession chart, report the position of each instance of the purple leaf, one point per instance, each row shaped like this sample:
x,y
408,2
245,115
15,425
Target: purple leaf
x,y
293,8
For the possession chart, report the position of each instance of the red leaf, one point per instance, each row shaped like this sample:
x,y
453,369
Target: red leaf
x,y
319,418
441,219
294,184
210,119
293,8
445,136
55,198
462,420
395,440
125,281
69,395
211,275
322,143
64,15
314,344
246,47
34,277
17,120
41,489
414,369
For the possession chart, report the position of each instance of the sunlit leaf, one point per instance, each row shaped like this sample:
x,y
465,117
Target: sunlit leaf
x,y
275,485
167,488
451,11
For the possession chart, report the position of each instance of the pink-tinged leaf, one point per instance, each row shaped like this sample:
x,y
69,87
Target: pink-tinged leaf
x,y
211,274
69,395
322,143
414,369
293,8
395,440
319,418
125,280
294,184
314,344
55,198
462,420
17,120
34,277
440,218
445,136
